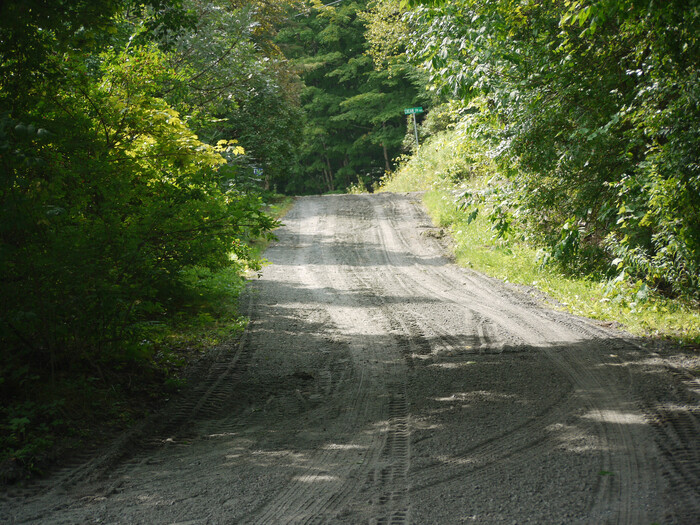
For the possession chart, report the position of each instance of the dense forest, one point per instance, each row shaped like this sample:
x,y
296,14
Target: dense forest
x,y
142,142
354,123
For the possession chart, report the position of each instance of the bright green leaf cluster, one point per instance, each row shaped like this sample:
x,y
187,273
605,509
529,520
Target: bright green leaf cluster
x,y
590,108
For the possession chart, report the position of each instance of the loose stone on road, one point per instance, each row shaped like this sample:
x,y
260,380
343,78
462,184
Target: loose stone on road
x,y
379,383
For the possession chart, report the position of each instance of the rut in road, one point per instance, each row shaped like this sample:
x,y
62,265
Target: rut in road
x,y
379,383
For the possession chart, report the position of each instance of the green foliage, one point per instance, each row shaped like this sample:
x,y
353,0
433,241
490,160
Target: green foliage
x,y
353,114
234,82
125,208
590,108
445,156
126,193
386,31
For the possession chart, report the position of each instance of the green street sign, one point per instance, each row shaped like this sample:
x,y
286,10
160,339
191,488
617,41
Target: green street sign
x,y
412,111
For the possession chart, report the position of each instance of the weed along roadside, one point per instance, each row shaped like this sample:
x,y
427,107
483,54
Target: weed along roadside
x,y
488,237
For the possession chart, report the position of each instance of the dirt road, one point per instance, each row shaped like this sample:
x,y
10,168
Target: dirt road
x,y
379,383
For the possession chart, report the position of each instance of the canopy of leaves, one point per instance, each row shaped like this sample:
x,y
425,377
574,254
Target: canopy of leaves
x,y
591,107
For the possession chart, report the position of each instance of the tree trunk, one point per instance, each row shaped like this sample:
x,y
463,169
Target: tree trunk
x,y
387,165
329,174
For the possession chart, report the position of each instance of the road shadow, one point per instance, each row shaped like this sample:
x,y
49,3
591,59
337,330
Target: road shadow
x,y
344,253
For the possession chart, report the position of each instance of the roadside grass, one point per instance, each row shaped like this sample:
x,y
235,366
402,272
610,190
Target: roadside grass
x,y
279,205
357,188
476,246
441,159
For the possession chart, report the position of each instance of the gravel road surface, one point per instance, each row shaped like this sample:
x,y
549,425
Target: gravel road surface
x,y
379,383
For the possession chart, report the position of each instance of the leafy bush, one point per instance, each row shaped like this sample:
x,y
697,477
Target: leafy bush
x,y
115,217
589,107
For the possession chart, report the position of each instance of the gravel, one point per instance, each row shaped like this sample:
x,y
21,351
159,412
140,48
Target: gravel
x,y
379,383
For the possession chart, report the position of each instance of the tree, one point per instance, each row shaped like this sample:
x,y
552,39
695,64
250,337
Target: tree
x,y
109,196
589,108
236,83
354,114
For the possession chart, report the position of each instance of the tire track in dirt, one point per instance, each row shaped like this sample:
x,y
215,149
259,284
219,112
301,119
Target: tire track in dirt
x,y
603,401
104,472
580,375
393,278
517,441
388,481
377,383
378,398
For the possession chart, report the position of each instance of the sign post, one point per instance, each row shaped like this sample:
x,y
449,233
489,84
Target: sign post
x,y
413,111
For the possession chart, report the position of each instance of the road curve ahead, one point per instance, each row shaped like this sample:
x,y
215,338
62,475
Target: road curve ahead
x,y
379,383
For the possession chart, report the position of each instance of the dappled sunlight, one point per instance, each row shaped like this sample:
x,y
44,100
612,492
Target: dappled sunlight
x,y
670,408
616,416
268,458
221,435
352,298
419,424
453,365
497,397
381,427
456,460
656,362
479,395
572,438
338,446
356,254
315,478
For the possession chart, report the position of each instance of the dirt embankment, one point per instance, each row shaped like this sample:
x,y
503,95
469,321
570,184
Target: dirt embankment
x,y
378,383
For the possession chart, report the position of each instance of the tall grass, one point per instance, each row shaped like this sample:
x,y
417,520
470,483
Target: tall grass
x,y
445,167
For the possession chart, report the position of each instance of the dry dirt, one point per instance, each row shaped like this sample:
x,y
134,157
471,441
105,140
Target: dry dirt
x,y
379,383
